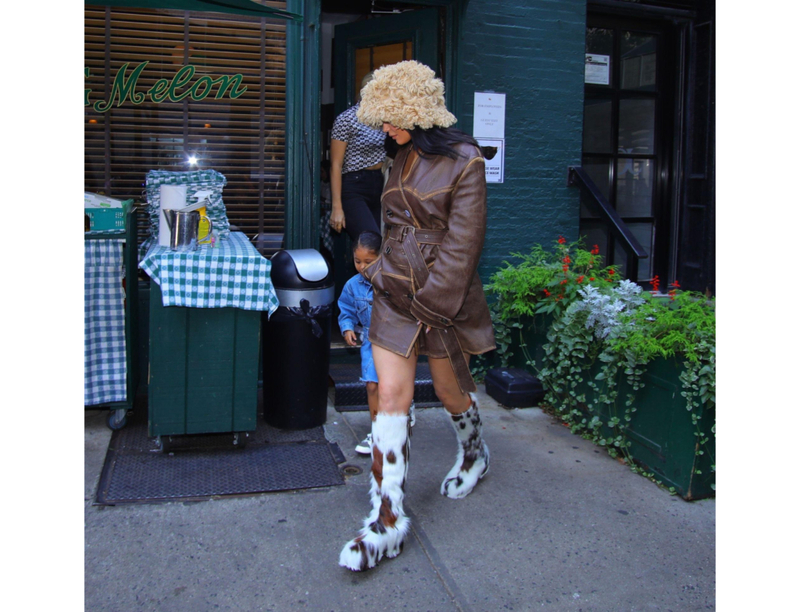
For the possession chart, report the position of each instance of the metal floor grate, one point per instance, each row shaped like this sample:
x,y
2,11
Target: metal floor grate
x,y
135,470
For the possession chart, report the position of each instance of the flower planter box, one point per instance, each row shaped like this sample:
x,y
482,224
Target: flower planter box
x,y
661,431
599,317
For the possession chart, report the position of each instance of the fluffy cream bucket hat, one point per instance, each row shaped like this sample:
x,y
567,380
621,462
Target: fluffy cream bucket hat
x,y
407,95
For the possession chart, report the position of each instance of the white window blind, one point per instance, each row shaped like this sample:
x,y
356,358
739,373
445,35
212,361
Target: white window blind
x,y
240,136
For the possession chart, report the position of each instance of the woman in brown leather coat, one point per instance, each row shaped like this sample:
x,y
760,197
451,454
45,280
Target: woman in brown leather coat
x,y
428,299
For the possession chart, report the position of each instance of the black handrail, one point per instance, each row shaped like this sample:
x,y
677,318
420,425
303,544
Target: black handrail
x,y
599,205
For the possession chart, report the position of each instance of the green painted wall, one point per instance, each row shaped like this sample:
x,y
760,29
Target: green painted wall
x,y
533,51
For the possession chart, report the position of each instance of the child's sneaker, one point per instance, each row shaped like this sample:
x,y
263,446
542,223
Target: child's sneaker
x,y
411,418
365,446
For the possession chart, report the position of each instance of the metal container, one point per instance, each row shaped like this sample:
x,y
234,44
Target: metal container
x,y
183,227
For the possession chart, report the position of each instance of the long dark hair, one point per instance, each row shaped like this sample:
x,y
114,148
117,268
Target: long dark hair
x,y
440,141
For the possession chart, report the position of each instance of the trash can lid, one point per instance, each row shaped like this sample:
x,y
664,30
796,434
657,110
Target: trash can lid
x,y
310,264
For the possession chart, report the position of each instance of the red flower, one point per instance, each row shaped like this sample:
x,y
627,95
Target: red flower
x,y
580,279
591,278
561,240
655,282
611,272
564,282
596,250
546,293
674,291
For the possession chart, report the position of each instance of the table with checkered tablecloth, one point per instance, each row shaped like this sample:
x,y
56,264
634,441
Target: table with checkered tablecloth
x,y
230,274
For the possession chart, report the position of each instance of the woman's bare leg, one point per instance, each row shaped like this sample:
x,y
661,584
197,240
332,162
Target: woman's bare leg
x,y
396,376
372,399
446,386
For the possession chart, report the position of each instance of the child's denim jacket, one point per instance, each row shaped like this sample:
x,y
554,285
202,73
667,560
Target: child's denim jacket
x,y
355,305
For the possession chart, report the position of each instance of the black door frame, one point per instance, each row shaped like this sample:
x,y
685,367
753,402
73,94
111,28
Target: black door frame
x,y
667,141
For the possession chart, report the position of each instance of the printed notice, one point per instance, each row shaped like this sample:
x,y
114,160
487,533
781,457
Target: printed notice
x,y
489,120
597,69
494,154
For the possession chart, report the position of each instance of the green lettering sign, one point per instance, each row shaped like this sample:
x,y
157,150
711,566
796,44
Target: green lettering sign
x,y
225,82
183,76
121,88
163,90
86,92
158,92
203,81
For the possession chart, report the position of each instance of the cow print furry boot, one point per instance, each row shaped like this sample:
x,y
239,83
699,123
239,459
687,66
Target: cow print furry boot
x,y
472,462
387,525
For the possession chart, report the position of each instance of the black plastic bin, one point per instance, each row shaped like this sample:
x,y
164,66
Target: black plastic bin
x,y
297,341
513,388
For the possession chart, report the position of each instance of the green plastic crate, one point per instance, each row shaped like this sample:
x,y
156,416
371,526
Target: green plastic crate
x,y
105,219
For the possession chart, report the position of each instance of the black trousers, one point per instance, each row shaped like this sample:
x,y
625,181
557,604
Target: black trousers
x,y
361,202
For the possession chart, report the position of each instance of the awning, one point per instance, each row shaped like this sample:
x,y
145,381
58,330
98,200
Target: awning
x,y
237,7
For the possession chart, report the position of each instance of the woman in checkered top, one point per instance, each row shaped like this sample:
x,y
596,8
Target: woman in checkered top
x,y
357,155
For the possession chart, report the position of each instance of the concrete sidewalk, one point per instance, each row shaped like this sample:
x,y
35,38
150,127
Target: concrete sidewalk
x,y
555,525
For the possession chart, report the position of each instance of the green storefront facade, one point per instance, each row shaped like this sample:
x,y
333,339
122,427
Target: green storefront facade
x,y
656,134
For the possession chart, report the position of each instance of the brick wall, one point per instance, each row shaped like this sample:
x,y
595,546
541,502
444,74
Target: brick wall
x,y
533,51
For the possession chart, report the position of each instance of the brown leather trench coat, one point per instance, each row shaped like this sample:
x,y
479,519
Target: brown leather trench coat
x,y
443,202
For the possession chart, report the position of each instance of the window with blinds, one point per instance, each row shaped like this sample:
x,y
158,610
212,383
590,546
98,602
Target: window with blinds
x,y
207,118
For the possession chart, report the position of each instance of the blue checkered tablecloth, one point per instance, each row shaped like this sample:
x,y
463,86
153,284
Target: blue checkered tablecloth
x,y
105,368
232,274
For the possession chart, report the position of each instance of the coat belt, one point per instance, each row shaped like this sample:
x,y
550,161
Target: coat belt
x,y
423,236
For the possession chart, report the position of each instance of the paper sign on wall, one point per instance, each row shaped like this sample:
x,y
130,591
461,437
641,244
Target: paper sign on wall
x,y
489,129
494,155
597,69
489,119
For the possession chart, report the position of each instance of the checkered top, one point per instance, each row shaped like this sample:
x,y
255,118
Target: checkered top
x,y
233,274
364,145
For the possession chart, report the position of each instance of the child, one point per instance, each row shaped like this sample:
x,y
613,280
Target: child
x,y
355,305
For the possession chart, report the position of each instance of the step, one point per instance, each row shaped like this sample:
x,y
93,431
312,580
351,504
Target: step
x,y
350,393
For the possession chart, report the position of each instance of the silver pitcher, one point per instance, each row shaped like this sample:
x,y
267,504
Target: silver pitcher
x,y
183,227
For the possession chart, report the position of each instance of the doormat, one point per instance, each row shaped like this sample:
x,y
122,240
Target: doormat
x,y
202,467
350,393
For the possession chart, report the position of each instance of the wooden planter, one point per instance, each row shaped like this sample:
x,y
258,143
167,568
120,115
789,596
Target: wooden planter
x,y
661,431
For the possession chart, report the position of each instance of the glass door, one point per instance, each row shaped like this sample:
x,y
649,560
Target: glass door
x,y
363,46
627,136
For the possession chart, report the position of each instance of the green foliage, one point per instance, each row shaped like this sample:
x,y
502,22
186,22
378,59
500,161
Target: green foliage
x,y
683,325
545,282
605,328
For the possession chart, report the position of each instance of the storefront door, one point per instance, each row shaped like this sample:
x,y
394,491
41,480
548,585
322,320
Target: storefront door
x,y
363,46
628,135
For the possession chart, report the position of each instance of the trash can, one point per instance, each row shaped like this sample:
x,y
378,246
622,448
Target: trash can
x,y
296,341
